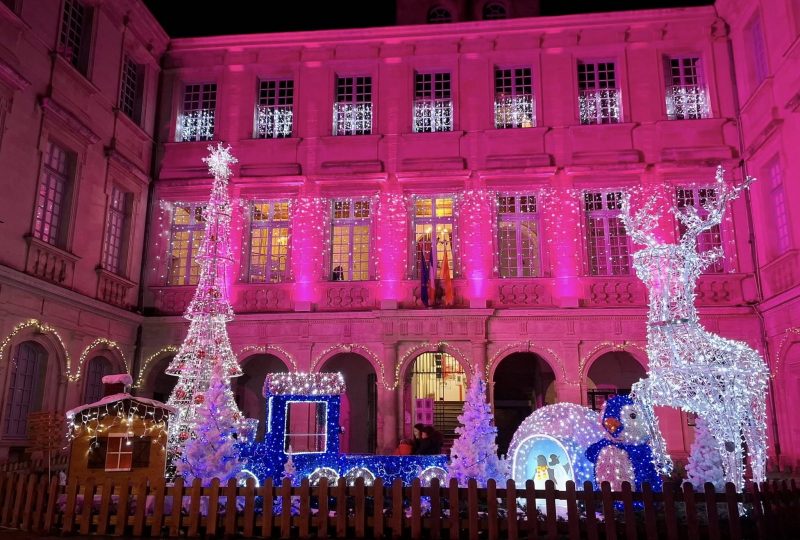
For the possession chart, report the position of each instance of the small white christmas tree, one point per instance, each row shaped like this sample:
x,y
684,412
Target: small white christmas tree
x,y
705,463
212,452
474,452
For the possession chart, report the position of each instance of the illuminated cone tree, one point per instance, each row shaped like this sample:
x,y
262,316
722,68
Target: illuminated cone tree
x,y
206,346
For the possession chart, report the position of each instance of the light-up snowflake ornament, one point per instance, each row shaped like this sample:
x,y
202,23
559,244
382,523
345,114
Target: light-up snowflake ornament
x,y
722,380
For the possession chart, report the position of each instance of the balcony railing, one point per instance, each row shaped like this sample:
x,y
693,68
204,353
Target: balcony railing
x,y
273,122
352,118
514,112
196,125
600,106
685,102
433,115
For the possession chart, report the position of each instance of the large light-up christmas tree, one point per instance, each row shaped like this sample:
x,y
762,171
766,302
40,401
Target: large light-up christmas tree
x,y
206,344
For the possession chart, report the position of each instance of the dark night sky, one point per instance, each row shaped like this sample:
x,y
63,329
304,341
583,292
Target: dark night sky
x,y
189,18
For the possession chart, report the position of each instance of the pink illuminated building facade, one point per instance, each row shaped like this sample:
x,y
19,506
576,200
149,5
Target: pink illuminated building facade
x,y
494,149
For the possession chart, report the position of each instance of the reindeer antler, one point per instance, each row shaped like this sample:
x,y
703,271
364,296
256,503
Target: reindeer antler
x,y
641,224
714,207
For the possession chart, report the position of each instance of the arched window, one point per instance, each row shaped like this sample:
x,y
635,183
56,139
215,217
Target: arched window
x,y
493,11
439,14
98,367
25,388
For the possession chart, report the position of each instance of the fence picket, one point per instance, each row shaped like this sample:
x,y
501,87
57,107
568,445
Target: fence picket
x,y
27,509
732,502
531,512
177,503
591,511
341,508
360,508
711,511
435,494
691,511
491,505
511,510
758,512
212,519
88,503
416,517
195,495
322,514
670,516
608,511
650,525
377,501
39,508
630,518
267,513
230,508
305,508
105,503
249,508
455,510
159,494
50,516
572,512
472,509
123,505
397,508
19,499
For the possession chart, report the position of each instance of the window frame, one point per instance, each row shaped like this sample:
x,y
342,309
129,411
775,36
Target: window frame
x,y
270,225
605,215
119,453
755,43
67,37
434,220
703,243
778,208
203,110
27,398
437,101
96,384
193,245
517,217
131,96
351,222
118,220
518,97
341,116
275,104
685,95
63,180
598,96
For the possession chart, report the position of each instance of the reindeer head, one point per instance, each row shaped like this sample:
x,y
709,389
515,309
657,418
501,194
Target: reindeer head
x,y
641,224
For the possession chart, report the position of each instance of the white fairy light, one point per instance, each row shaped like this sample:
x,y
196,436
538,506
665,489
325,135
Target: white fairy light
x,y
722,380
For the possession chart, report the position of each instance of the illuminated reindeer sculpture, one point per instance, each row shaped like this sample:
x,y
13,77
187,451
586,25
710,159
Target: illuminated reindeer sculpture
x,y
721,380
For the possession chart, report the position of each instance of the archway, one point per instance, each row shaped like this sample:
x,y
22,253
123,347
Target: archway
x,y
610,374
25,389
359,412
522,383
789,380
96,368
158,384
435,388
249,387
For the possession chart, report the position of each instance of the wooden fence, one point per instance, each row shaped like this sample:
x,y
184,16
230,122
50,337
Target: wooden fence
x,y
33,503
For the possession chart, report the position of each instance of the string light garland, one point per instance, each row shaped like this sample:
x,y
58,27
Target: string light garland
x,y
442,346
169,349
722,380
352,347
43,328
608,346
304,383
109,345
788,332
527,346
283,354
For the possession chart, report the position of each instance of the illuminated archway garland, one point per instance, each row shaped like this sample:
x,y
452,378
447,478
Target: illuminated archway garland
x,y
43,328
143,372
609,346
527,346
431,347
779,350
111,345
283,355
351,347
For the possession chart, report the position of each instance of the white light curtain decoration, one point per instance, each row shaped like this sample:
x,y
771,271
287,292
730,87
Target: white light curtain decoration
x,y
600,106
274,122
721,380
687,101
196,125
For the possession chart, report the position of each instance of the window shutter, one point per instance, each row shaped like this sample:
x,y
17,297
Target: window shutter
x,y
97,456
141,452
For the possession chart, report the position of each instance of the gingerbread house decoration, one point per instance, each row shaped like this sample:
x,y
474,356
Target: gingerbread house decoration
x,y
119,436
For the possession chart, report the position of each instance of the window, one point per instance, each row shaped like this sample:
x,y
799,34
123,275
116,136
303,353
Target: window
x,y
52,200
778,205
306,427
269,242
274,112
433,222
25,388
518,231
188,231
710,238
76,34
757,48
119,453
115,245
438,15
352,112
513,98
131,88
12,5
350,239
493,11
196,122
686,91
598,96
606,237
98,367
433,103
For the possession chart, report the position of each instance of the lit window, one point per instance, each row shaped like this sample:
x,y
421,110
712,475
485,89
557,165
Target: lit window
x,y
119,454
710,238
433,223
114,247
778,205
25,388
518,236
493,11
130,90
52,200
188,231
269,242
513,98
757,48
76,34
433,103
350,240
598,95
686,93
196,121
274,111
438,15
352,112
607,240
98,367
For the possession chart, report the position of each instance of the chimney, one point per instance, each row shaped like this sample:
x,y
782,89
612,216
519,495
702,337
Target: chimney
x,y
119,383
